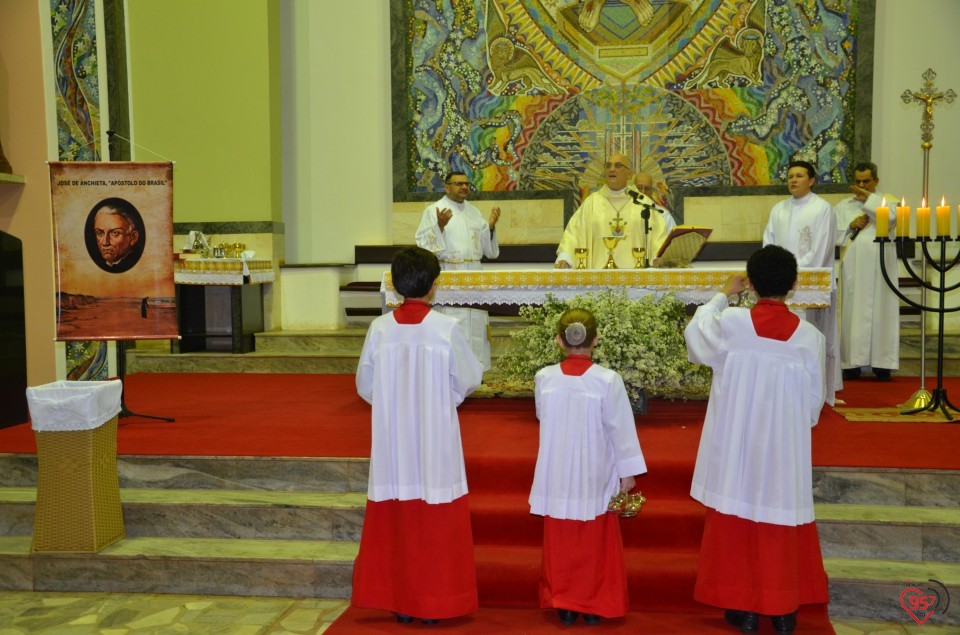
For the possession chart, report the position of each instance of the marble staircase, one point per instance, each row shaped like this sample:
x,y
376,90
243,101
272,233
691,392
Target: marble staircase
x,y
884,530
289,527
202,525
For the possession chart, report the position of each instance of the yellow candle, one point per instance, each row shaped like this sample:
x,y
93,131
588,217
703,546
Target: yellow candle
x,y
883,219
923,220
943,218
903,219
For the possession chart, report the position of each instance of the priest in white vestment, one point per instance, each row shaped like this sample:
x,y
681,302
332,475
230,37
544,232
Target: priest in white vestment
x,y
806,225
416,549
869,309
760,553
458,234
597,217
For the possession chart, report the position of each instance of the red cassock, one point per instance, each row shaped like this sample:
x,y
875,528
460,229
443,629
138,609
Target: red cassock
x,y
416,559
583,568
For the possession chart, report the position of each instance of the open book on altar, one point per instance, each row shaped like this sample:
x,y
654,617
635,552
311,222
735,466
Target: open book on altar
x,y
682,246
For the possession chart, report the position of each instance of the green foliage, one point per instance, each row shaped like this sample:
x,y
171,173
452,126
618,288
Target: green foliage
x,y
640,339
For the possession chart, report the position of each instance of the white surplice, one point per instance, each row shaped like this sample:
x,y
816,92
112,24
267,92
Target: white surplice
x,y
754,457
869,310
465,239
588,442
807,227
415,376
592,221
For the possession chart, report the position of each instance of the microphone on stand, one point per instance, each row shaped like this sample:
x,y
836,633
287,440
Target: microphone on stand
x,y
645,212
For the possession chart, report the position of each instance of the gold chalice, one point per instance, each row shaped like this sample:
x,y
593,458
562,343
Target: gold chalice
x,y
581,257
638,255
610,242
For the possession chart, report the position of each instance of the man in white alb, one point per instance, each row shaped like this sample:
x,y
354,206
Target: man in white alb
x,y
457,233
595,218
806,225
869,310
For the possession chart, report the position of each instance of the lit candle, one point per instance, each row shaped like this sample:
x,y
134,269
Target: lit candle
x,y
923,219
954,229
883,219
903,219
943,218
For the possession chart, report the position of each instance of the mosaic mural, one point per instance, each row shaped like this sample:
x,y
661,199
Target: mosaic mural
x,y
74,28
532,94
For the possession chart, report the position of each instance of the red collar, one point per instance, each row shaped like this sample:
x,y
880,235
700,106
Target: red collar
x,y
411,311
575,364
773,320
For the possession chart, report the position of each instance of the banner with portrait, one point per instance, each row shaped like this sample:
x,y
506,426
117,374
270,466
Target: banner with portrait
x,y
113,244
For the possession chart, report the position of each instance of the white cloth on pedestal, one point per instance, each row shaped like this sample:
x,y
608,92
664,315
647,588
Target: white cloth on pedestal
x,y
869,310
465,239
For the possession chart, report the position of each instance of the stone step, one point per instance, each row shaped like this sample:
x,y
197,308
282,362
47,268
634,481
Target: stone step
x,y
291,474
308,352
872,589
859,588
888,532
272,568
168,513
838,485
884,486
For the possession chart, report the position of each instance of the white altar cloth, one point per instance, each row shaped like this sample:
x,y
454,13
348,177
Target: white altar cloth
x,y
222,271
691,286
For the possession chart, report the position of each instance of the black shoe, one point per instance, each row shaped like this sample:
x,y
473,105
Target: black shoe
x,y
851,374
882,374
428,621
567,618
404,619
744,620
785,623
591,620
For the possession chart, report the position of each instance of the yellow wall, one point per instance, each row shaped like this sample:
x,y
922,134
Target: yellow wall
x,y
204,85
25,209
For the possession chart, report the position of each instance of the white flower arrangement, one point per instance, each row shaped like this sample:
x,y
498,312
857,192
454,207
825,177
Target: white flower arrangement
x,y
640,339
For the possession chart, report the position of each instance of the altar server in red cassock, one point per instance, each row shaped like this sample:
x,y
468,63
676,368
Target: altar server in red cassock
x,y
760,553
589,451
416,367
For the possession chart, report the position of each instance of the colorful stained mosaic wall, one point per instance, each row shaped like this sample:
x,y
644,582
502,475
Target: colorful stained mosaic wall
x,y
74,28
533,94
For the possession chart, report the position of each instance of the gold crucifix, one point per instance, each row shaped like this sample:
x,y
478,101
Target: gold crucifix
x,y
928,95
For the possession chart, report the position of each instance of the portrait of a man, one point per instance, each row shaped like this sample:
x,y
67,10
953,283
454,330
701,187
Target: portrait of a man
x,y
115,235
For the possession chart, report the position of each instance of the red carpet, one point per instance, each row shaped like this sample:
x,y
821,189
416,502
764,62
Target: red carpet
x,y
321,415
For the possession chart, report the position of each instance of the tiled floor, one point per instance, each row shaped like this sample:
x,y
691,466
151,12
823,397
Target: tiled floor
x,y
122,614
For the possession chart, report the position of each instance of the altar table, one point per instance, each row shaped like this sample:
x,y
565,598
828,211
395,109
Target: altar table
x,y
690,286
220,303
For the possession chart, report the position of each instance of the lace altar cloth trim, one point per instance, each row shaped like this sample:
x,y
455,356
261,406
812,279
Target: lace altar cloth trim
x,y
693,286
224,271
233,279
